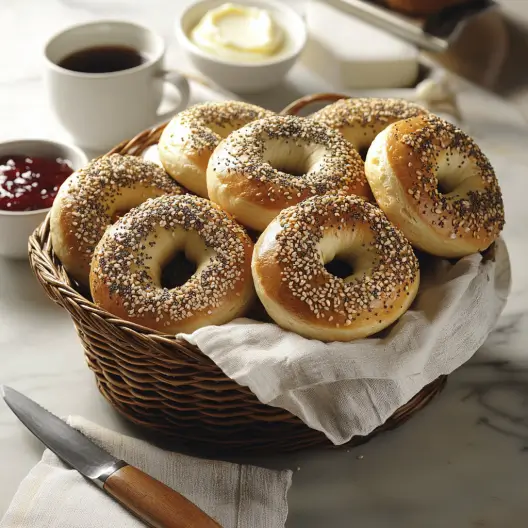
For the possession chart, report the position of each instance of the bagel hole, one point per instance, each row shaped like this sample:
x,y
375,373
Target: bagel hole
x,y
443,188
177,271
289,157
223,130
363,152
446,185
118,214
289,170
453,170
339,268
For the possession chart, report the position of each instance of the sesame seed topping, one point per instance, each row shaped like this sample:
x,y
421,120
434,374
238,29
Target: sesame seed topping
x,y
360,120
475,211
123,260
92,196
367,112
335,300
205,125
259,151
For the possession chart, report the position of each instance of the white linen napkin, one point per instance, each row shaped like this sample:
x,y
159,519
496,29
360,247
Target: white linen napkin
x,y
237,496
348,389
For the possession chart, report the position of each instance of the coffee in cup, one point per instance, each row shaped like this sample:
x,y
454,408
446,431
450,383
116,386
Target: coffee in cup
x,y
105,81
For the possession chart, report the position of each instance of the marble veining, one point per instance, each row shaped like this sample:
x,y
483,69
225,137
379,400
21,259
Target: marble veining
x,y
461,463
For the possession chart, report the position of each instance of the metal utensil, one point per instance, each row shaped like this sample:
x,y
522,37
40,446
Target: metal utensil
x,y
150,500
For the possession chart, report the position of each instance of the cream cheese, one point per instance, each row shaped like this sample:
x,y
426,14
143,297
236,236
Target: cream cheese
x,y
239,33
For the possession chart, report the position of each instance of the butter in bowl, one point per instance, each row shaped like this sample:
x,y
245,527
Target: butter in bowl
x,y
244,47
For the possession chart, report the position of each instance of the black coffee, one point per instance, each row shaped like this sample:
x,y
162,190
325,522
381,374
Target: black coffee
x,y
103,59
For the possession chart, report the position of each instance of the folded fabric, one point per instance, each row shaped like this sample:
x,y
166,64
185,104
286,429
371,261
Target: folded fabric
x,y
349,389
237,496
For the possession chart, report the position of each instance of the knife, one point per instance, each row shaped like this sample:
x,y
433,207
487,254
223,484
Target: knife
x,y
150,500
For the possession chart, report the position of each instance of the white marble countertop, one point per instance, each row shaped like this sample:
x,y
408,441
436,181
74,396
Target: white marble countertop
x,y
460,463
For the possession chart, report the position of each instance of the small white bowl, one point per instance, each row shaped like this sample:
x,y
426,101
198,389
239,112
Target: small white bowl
x,y
16,227
244,77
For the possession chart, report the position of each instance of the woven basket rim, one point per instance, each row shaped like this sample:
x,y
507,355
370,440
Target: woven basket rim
x,y
132,327
136,366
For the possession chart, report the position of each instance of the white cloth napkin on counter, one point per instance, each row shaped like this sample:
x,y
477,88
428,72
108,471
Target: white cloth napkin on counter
x,y
237,496
348,389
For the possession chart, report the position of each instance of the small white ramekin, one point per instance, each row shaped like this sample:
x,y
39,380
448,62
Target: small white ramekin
x,y
244,77
17,226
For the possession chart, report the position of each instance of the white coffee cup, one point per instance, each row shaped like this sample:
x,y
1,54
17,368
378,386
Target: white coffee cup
x,y
102,109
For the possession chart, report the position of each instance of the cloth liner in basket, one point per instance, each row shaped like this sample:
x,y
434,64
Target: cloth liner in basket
x,y
349,389
251,386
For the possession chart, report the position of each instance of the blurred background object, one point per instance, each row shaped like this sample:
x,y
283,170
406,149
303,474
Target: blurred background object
x,y
422,7
482,41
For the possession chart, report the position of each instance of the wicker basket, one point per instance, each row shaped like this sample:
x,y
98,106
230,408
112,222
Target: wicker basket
x,y
167,386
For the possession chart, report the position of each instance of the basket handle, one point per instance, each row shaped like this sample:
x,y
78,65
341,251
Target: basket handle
x,y
295,107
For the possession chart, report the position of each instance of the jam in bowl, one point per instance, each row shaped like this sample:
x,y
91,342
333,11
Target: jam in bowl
x,y
30,183
31,173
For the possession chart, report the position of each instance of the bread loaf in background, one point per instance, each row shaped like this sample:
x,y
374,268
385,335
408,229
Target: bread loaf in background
x,y
422,7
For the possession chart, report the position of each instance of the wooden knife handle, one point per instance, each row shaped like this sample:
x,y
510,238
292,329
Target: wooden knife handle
x,y
154,502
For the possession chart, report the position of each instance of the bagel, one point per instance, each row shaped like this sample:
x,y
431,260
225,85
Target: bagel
x,y
361,120
437,186
91,198
275,162
300,294
187,142
126,273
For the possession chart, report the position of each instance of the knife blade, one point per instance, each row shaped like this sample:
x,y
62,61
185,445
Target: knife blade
x,y
149,499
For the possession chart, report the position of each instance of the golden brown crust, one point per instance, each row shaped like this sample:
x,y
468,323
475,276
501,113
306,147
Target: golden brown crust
x,y
410,160
126,270
190,138
88,200
298,292
257,193
276,162
359,120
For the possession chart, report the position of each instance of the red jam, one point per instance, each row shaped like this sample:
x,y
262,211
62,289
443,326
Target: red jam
x,y
29,184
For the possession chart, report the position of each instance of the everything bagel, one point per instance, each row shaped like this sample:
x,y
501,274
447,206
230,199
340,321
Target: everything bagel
x,y
302,296
278,161
91,199
126,274
190,138
436,185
